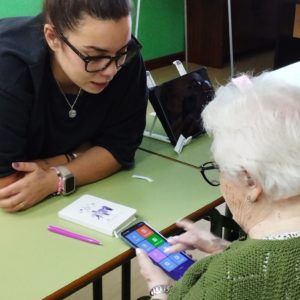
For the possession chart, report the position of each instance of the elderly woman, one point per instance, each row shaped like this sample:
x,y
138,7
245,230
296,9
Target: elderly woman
x,y
256,147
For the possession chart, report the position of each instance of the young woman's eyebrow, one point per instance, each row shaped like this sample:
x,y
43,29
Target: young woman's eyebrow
x,y
101,49
96,48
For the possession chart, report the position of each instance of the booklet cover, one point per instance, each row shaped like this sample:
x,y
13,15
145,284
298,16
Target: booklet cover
x,y
98,214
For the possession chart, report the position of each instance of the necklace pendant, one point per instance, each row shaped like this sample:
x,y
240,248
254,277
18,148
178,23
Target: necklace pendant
x,y
72,113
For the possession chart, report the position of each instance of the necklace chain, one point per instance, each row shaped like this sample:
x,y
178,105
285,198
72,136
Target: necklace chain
x,y
283,236
72,111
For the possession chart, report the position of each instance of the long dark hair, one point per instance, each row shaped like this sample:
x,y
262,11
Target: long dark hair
x,y
66,14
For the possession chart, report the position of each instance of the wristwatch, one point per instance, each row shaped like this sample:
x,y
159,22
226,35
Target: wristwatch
x,y
66,183
160,289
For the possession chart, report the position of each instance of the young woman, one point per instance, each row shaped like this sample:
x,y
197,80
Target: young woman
x,y
72,98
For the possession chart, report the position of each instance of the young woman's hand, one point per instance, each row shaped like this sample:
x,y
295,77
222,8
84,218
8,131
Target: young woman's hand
x,y
195,238
153,275
33,186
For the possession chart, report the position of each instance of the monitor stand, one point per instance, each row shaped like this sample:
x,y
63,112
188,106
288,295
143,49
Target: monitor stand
x,y
153,135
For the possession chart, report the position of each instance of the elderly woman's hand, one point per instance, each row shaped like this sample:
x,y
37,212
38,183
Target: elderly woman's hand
x,y
153,275
195,238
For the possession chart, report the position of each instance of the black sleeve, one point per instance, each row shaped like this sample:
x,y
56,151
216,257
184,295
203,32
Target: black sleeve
x,y
126,119
14,115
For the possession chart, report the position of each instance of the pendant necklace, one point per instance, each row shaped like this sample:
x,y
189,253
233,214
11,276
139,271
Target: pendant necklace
x,y
72,111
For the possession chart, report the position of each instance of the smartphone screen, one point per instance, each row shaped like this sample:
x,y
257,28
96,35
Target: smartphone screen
x,y
141,235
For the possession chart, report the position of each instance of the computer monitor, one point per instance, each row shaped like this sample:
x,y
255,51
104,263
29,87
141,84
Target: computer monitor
x,y
178,103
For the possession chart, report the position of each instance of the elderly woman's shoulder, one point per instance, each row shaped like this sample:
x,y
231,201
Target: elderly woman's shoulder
x,y
254,256
252,247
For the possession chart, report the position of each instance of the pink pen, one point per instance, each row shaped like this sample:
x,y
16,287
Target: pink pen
x,y
73,235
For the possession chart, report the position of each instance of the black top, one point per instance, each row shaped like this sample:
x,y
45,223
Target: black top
x,y
34,120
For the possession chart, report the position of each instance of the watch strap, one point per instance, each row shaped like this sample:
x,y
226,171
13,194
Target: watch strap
x,y
63,171
160,289
63,174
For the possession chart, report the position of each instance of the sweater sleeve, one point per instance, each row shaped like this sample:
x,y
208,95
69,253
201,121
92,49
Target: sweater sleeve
x,y
190,278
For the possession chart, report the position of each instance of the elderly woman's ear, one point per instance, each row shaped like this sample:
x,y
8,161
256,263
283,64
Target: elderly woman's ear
x,y
254,188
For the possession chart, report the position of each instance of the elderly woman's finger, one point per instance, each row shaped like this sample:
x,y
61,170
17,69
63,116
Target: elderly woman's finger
x,y
143,258
177,239
180,243
176,248
173,239
185,224
147,268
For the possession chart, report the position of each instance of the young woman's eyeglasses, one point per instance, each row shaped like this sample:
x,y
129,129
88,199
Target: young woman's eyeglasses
x,y
95,64
211,173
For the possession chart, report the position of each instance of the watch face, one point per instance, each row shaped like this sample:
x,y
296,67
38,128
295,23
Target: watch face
x,y
69,186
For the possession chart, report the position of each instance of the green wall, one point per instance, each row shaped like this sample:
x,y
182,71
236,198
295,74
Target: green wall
x,y
11,8
161,28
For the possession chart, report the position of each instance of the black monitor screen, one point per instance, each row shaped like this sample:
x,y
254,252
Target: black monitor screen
x,y
179,103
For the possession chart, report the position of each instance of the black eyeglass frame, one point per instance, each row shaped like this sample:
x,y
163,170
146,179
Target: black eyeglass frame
x,y
210,165
88,58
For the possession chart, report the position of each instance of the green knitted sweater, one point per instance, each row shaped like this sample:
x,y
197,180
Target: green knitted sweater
x,y
248,269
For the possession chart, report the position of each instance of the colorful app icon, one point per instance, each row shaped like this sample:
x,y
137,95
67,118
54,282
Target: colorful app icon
x,y
145,231
134,237
178,258
156,240
145,245
168,264
156,255
163,247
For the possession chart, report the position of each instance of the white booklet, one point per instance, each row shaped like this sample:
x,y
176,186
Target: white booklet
x,y
98,214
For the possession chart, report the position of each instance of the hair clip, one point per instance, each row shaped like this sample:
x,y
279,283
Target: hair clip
x,y
242,82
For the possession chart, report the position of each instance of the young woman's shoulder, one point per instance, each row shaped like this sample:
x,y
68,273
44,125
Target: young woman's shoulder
x,y
22,49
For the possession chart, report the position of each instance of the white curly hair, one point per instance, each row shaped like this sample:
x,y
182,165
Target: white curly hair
x,y
255,125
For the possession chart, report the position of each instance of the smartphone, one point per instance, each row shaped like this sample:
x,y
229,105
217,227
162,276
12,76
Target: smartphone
x,y
141,235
